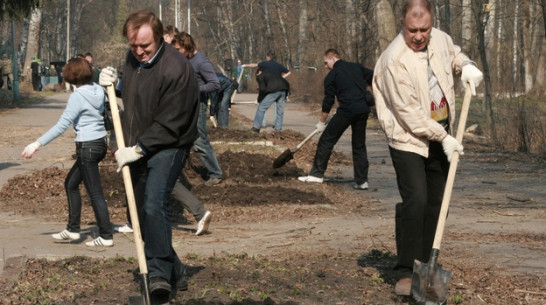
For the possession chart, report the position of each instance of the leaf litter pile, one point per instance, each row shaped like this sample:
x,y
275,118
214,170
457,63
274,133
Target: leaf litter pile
x,y
251,189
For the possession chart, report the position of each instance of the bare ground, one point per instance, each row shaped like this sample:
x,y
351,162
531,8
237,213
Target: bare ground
x,y
360,272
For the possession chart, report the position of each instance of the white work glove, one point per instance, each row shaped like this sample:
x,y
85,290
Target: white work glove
x,y
243,66
450,145
30,149
321,126
126,155
108,76
471,75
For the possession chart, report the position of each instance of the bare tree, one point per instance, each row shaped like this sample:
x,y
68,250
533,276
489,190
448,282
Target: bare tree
x,y
386,28
33,42
302,33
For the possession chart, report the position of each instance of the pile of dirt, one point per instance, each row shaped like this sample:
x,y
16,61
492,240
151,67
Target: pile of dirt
x,y
250,182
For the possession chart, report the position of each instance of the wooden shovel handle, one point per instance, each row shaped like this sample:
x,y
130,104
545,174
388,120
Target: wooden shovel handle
x,y
452,170
128,183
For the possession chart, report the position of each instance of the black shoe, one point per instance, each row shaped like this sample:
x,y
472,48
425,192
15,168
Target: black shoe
x,y
182,283
159,286
254,129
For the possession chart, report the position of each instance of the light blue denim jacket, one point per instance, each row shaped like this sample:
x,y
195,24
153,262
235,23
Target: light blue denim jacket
x,y
84,110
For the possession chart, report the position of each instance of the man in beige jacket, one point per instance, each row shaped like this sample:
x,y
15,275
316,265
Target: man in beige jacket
x,y
414,90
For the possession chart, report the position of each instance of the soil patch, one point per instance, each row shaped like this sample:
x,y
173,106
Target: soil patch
x,y
252,189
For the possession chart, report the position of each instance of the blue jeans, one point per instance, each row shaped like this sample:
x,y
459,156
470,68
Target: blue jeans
x,y
202,144
334,130
153,180
219,105
278,97
86,169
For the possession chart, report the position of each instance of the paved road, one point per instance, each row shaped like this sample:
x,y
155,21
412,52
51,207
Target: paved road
x,y
29,236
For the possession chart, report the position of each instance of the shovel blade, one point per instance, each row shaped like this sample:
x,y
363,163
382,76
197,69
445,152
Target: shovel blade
x,y
281,160
430,283
137,300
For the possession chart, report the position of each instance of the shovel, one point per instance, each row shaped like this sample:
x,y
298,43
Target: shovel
x,y
430,282
145,298
288,154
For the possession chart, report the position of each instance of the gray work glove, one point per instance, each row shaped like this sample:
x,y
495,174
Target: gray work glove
x,y
450,145
108,76
30,149
127,155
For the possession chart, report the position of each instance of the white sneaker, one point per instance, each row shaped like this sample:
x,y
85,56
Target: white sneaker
x,y
100,242
363,186
66,235
214,122
203,224
124,229
311,179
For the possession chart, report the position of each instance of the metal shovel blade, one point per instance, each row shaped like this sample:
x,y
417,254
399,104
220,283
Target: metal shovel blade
x,y
144,298
281,160
430,283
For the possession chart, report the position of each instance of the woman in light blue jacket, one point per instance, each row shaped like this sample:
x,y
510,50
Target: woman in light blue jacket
x,y
84,110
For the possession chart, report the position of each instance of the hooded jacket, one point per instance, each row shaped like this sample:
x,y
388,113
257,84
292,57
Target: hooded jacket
x,y
84,110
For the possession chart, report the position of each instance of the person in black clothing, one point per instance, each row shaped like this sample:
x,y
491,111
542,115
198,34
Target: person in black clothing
x,y
272,89
347,82
35,69
161,106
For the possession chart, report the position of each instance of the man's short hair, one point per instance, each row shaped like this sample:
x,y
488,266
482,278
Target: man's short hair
x,y
89,54
78,71
270,55
332,52
140,18
170,29
408,4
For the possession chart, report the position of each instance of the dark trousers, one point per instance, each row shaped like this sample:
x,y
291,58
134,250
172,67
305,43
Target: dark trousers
x,y
36,82
153,180
86,169
187,199
421,182
329,138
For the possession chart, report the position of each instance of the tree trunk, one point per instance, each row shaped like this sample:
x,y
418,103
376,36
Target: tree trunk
x,y
281,7
476,9
302,34
386,25
350,21
467,27
33,42
515,39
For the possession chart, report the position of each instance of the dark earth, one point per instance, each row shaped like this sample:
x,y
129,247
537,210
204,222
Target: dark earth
x,y
253,190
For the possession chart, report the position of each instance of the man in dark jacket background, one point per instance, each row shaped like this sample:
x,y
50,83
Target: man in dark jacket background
x,y
272,89
346,81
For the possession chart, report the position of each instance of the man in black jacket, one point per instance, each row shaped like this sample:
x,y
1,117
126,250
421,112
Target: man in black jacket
x,y
272,89
348,82
161,105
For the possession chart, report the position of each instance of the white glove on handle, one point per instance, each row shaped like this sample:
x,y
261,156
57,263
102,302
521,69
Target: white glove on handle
x,y
108,76
126,155
471,75
450,145
321,126
30,149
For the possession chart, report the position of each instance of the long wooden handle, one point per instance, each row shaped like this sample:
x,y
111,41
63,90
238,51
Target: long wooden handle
x,y
452,170
128,183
